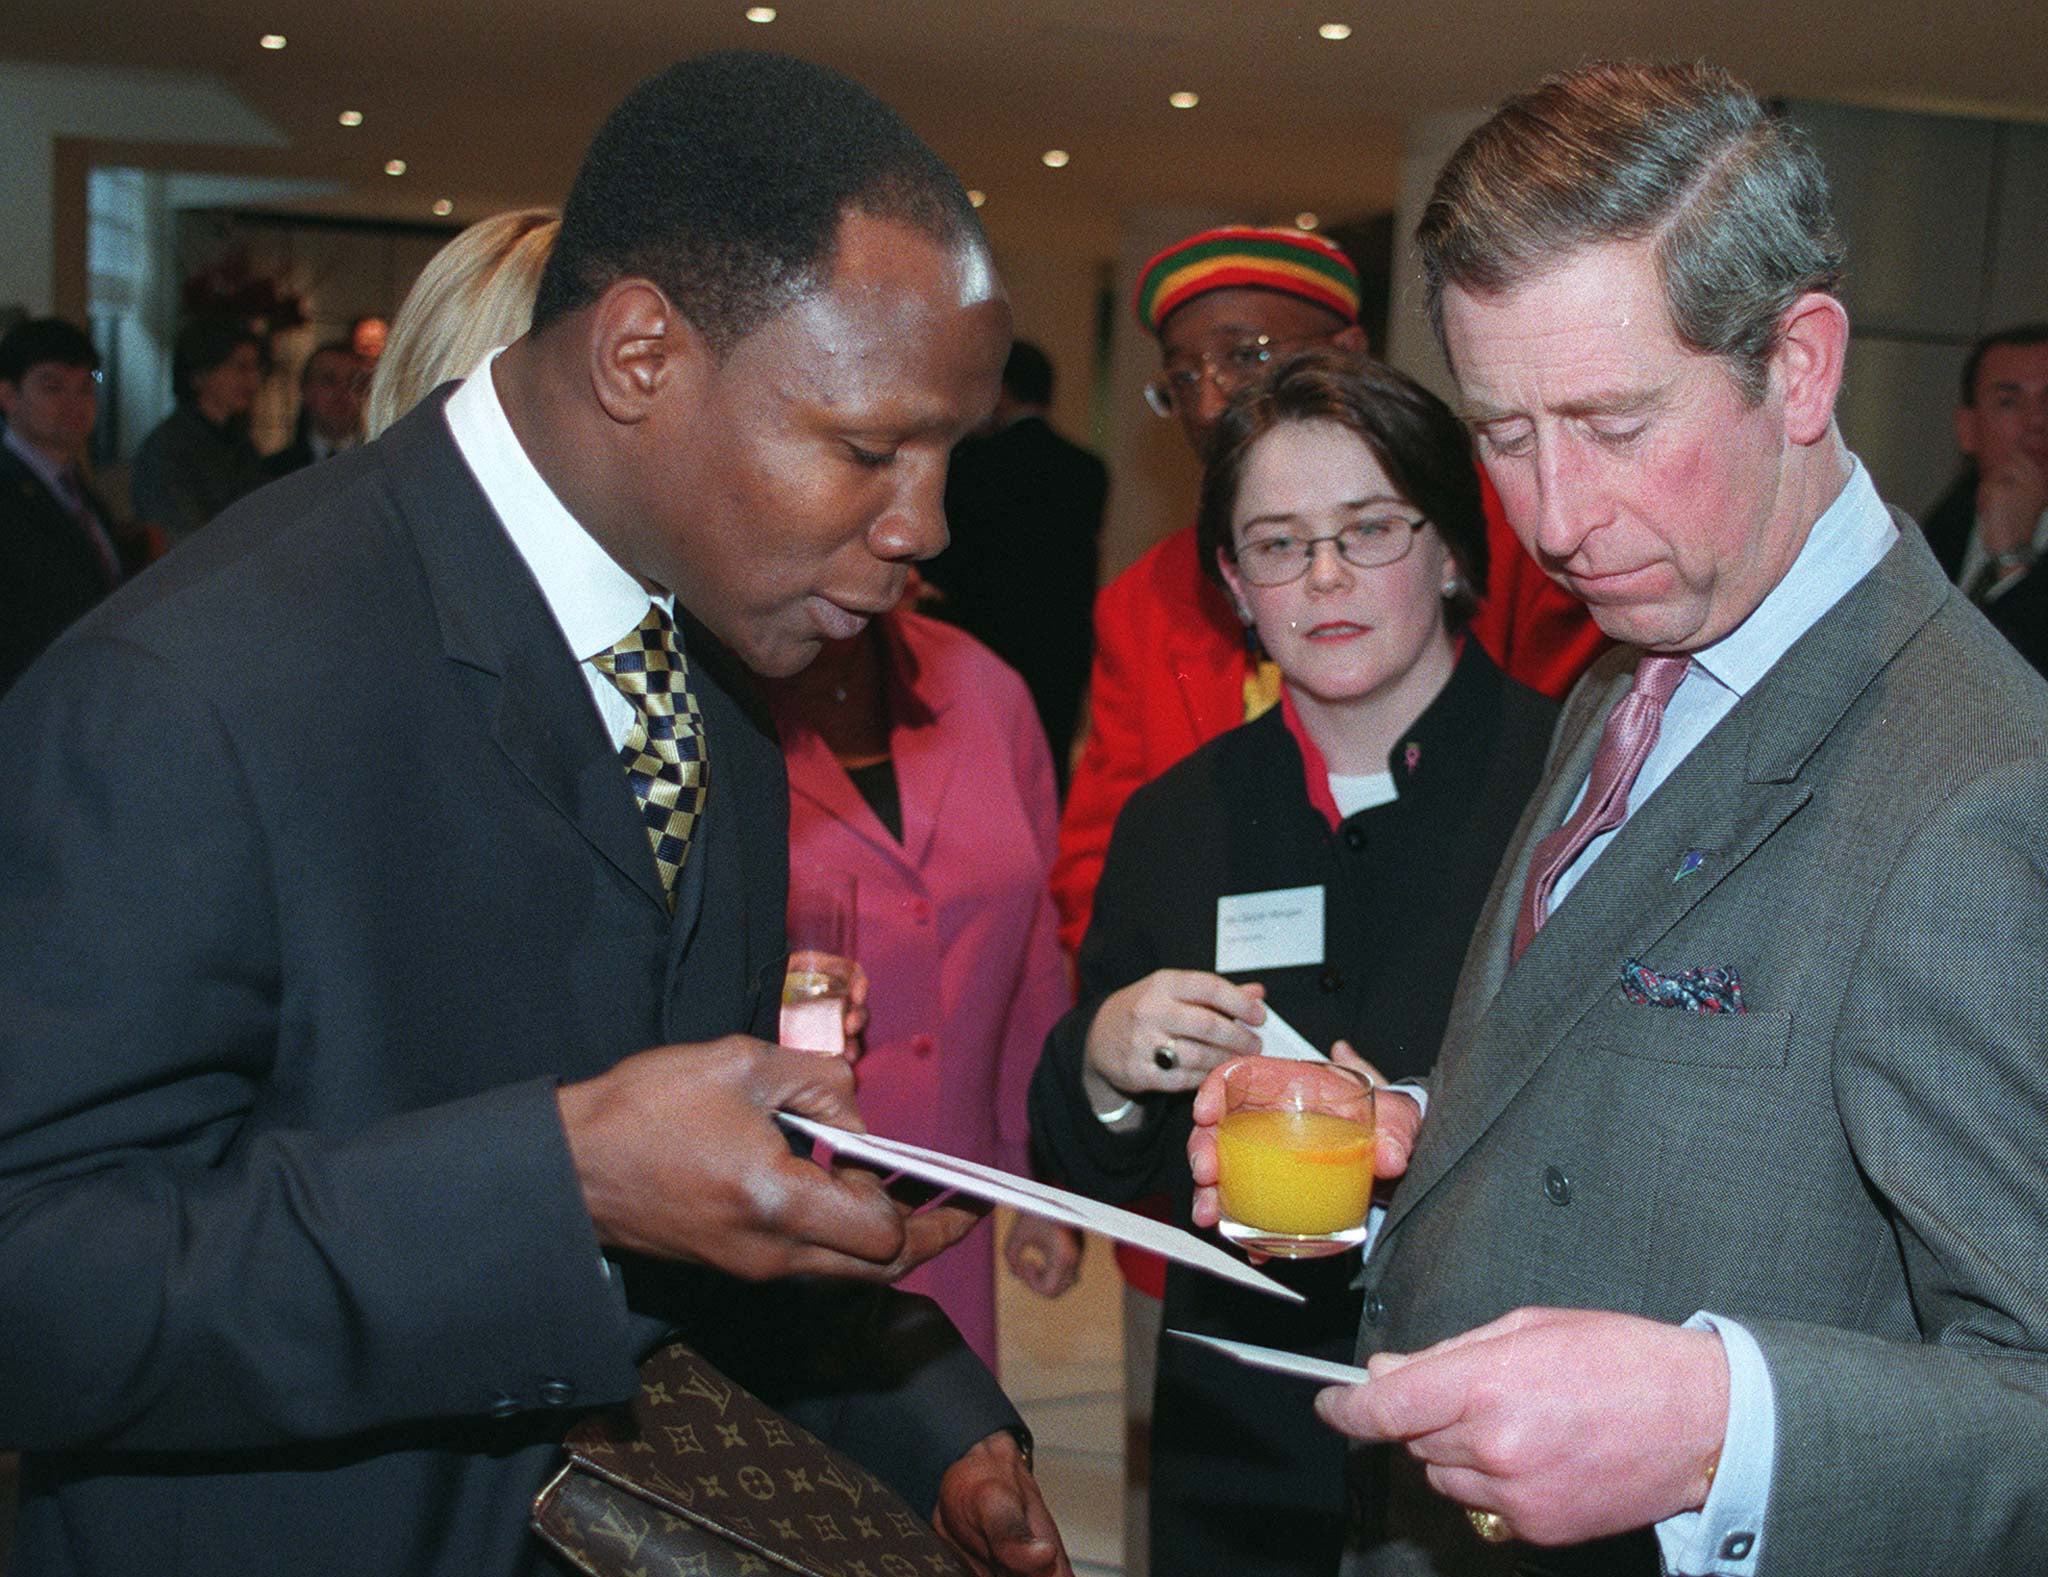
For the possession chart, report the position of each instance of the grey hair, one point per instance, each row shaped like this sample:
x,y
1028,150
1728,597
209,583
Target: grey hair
x,y
1731,194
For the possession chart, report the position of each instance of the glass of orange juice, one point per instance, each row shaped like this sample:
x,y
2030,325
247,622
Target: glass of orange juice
x,y
1294,1157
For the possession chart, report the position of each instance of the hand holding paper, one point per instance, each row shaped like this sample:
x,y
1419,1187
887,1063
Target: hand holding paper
x,y
1038,1199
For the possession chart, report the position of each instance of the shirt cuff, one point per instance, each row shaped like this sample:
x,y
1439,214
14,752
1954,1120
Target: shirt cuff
x,y
1725,1537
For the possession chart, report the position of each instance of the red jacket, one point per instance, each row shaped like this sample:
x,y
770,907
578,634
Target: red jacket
x,y
1170,668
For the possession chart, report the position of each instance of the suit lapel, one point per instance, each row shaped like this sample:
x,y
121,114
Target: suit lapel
x,y
494,621
1738,786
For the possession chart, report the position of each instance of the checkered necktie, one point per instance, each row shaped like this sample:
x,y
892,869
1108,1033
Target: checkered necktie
x,y
664,749
1625,743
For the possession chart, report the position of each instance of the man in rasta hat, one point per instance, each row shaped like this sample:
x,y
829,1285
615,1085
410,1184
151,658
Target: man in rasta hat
x,y
1172,666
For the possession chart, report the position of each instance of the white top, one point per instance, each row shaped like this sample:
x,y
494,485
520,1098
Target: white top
x,y
1355,792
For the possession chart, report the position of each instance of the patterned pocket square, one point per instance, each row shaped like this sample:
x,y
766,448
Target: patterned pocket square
x,y
1693,990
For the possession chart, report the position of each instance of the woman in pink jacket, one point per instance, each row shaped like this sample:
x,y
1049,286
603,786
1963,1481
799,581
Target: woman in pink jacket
x,y
917,764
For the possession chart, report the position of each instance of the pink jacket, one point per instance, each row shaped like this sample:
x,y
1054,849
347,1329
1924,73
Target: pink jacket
x,y
956,926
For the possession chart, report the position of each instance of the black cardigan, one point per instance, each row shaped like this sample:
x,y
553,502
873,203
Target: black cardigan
x,y
1405,882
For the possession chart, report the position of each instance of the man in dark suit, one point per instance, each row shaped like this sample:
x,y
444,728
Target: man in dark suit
x,y
347,861
58,551
1025,510
1723,1245
1990,529
331,386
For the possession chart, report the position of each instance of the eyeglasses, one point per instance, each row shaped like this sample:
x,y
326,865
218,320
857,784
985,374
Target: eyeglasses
x,y
1282,558
1229,366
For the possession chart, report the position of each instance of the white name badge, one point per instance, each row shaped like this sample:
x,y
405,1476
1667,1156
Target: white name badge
x,y
1270,930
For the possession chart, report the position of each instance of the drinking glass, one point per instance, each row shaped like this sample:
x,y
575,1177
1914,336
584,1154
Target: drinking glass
x,y
821,953
1294,1155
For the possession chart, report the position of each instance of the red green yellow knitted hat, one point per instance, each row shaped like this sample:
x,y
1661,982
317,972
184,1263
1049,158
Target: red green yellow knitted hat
x,y
1292,262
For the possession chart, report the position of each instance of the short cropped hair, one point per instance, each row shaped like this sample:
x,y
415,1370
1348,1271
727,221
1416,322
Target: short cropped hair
x,y
723,181
1732,195
2020,334
204,344
332,347
1424,449
37,341
1027,375
475,294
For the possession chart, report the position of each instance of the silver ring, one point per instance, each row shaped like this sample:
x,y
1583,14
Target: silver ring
x,y
1165,1058
1489,1525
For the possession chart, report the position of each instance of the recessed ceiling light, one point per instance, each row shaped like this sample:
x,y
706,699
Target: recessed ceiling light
x,y
351,117
394,166
760,13
1183,100
444,206
272,40
1054,158
1335,30
1306,220
976,196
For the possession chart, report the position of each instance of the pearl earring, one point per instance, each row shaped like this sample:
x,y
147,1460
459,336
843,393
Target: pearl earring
x,y
1451,587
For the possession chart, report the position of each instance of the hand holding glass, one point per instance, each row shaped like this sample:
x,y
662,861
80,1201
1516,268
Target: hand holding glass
x,y
1294,1157
821,952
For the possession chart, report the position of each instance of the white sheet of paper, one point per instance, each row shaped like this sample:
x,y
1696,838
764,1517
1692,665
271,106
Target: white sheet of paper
x,y
1278,1038
1040,1199
1269,930
1280,1362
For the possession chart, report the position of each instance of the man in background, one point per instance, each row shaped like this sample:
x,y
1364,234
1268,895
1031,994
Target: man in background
x,y
1025,510
1991,528
59,554
331,387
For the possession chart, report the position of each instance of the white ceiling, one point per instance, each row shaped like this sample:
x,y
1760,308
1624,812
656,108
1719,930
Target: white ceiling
x,y
491,101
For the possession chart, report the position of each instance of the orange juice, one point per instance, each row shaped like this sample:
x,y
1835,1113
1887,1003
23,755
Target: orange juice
x,y
1294,1172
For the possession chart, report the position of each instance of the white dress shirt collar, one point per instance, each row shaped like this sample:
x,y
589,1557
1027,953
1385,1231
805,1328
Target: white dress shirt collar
x,y
47,471
1848,539
594,600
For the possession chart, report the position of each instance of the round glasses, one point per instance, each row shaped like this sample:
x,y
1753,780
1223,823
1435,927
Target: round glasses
x,y
1228,366
1279,557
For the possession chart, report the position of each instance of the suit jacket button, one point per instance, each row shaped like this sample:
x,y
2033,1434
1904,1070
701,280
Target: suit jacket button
x,y
1557,1187
558,1393
503,1406
1330,980
1354,838
1375,1308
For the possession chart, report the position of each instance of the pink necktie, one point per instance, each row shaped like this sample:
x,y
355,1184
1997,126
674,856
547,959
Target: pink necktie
x,y
82,511
1624,746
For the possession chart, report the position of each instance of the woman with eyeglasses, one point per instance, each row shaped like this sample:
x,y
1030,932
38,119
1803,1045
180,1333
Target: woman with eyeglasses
x,y
1327,861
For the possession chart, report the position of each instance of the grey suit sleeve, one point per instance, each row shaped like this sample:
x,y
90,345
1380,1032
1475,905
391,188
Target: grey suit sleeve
x,y
1930,1458
181,1268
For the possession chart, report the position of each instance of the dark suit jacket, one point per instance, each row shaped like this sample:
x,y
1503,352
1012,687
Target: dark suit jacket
x,y
49,571
1025,509
1852,1167
294,456
1231,1459
2020,614
317,874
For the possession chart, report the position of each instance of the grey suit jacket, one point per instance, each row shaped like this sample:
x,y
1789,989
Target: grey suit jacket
x,y
1856,1167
